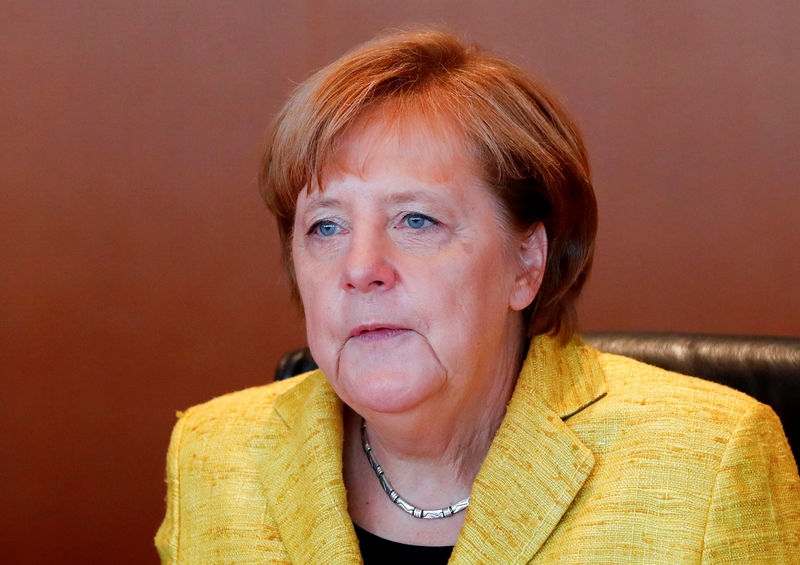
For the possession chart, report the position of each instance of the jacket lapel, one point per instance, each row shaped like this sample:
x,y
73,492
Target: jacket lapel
x,y
534,469
536,465
302,475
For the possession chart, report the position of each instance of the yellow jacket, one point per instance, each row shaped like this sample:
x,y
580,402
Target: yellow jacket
x,y
600,459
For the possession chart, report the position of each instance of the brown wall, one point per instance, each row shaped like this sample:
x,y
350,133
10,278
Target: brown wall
x,y
140,271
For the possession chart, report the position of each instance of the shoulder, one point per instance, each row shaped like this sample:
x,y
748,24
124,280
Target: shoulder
x,y
235,415
666,416
214,480
630,381
692,456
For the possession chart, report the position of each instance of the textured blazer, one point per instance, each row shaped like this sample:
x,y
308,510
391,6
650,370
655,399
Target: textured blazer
x,y
599,459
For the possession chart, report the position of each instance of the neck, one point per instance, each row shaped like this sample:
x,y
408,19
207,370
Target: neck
x,y
451,444
433,453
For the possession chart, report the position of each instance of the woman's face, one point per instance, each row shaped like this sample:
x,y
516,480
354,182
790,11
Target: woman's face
x,y
411,284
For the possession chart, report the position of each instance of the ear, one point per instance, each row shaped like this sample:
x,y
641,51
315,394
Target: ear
x,y
532,256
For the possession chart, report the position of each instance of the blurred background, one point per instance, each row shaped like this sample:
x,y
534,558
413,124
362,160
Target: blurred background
x,y
139,270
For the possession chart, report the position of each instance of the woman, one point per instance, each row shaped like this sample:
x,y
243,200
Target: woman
x,y
437,220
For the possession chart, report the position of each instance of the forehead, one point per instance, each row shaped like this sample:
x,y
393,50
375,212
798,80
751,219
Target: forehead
x,y
431,146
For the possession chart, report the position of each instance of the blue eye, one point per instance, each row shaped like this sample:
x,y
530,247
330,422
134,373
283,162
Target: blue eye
x,y
324,228
418,221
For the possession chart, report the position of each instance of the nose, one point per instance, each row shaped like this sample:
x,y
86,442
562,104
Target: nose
x,y
368,265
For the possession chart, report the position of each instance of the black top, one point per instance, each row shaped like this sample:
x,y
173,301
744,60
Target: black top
x,y
378,551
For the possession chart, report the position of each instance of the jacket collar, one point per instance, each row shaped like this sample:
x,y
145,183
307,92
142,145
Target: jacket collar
x,y
302,474
536,464
566,378
534,469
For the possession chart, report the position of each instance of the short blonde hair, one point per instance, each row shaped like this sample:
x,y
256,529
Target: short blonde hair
x,y
528,148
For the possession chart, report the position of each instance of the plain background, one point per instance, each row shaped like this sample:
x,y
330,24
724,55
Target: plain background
x,y
139,270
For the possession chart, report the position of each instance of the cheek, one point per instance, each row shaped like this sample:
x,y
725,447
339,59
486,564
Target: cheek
x,y
480,280
312,288
478,297
317,306
311,276
320,336
459,298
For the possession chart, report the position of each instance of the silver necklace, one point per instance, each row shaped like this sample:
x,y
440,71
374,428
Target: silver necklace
x,y
399,500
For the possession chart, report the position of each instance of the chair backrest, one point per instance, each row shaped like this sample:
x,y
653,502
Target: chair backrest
x,y
766,368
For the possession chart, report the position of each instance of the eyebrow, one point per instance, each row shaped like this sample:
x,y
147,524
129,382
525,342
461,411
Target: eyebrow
x,y
323,202
405,197
411,196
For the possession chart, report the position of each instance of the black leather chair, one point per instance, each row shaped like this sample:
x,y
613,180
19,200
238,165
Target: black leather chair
x,y
766,368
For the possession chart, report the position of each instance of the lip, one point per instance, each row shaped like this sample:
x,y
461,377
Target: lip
x,y
376,332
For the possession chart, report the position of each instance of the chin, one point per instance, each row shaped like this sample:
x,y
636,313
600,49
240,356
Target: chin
x,y
389,390
388,376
